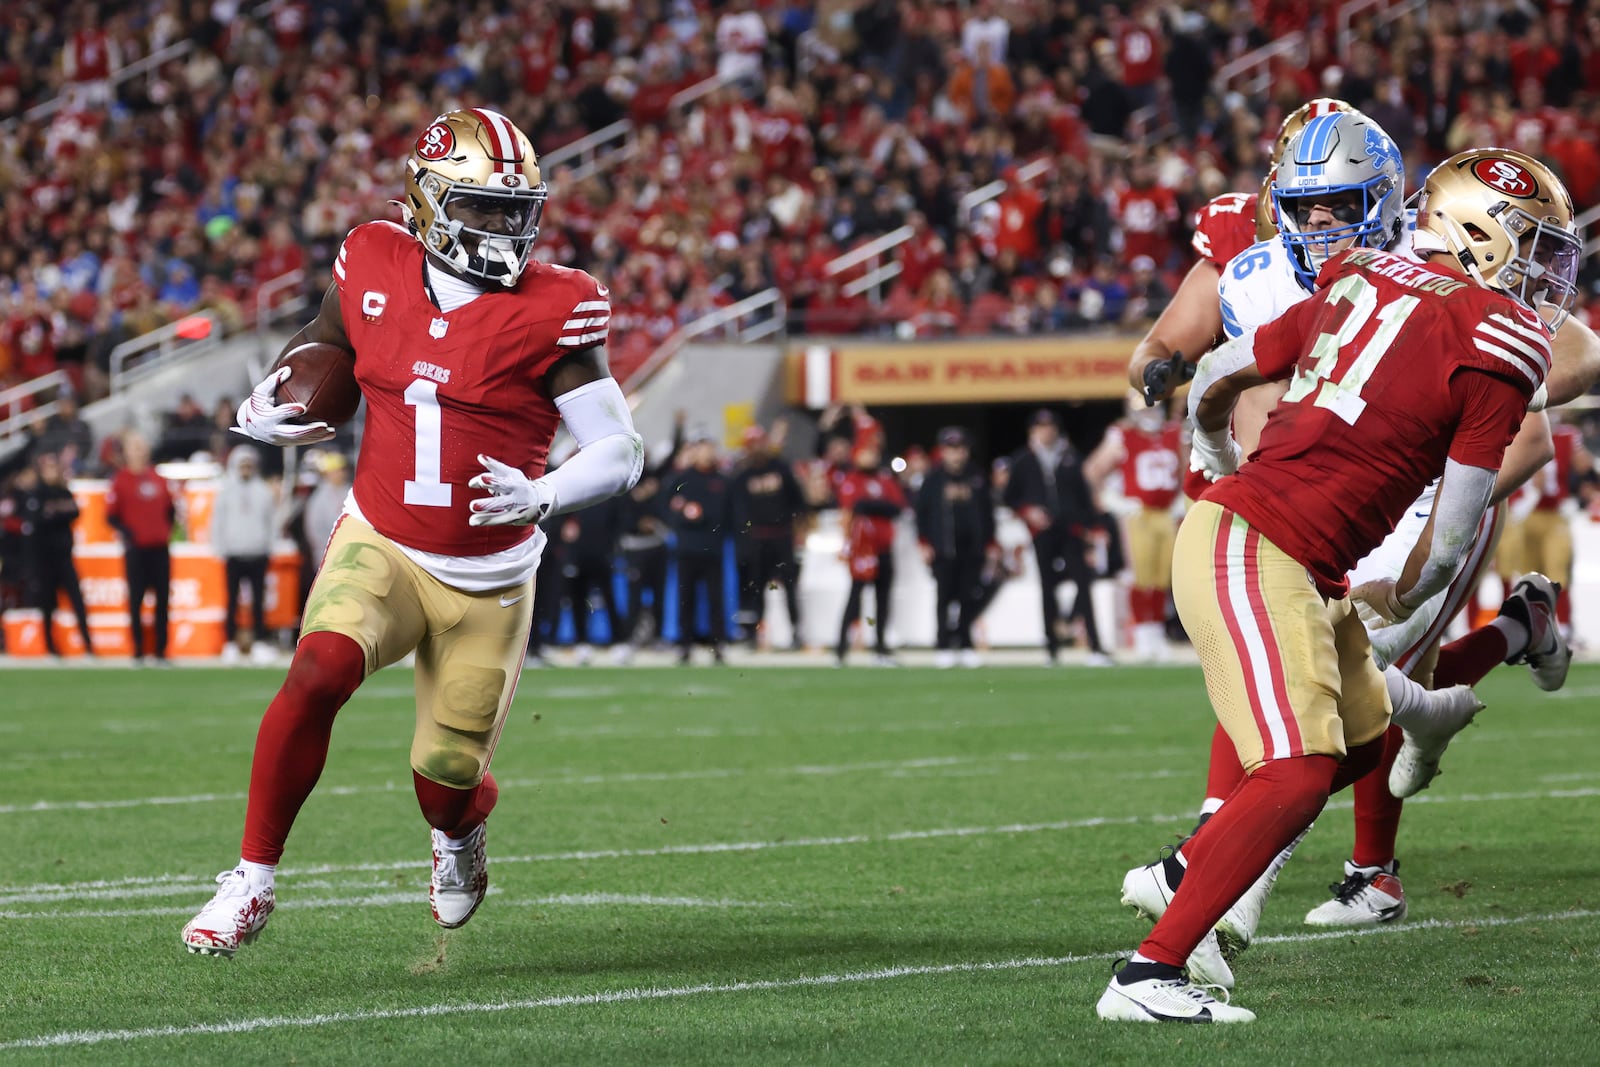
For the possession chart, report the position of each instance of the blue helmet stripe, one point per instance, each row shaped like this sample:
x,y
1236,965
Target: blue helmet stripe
x,y
1316,141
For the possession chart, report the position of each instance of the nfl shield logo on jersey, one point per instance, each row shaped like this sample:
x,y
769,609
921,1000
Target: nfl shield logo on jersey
x,y
437,328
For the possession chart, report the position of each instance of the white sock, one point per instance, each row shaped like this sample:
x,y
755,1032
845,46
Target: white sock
x,y
457,844
259,873
1516,634
1139,957
1211,805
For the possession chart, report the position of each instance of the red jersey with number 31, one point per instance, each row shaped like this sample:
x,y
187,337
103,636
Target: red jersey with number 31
x,y
1394,366
442,387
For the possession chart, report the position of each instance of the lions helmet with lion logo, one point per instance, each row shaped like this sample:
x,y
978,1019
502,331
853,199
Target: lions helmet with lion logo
x,y
1508,220
475,162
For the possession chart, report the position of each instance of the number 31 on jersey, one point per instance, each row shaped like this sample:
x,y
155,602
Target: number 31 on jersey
x,y
1338,388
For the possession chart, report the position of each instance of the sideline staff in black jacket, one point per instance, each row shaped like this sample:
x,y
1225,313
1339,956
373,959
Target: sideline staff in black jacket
x,y
1048,492
955,524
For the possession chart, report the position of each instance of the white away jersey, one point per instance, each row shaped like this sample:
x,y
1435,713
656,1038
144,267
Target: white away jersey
x,y
1260,283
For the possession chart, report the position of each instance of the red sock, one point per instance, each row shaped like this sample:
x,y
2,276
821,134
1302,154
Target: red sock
x,y
1225,772
1466,660
1377,811
1564,608
292,744
457,812
1234,847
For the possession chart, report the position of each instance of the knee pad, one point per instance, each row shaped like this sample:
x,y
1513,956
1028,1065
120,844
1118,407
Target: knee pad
x,y
465,711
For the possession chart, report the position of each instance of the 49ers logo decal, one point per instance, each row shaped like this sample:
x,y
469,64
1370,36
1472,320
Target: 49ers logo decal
x,y
1505,176
436,142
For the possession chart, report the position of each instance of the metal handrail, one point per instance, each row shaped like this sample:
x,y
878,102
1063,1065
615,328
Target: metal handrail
x,y
993,190
21,418
161,345
1392,10
588,150
587,146
1254,63
46,108
711,323
266,314
873,278
871,250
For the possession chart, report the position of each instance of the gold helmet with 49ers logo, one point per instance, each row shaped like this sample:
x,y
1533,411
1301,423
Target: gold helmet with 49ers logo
x,y
1508,220
474,196
1266,213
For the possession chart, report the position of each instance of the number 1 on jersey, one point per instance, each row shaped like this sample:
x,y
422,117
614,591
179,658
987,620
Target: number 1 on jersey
x,y
425,489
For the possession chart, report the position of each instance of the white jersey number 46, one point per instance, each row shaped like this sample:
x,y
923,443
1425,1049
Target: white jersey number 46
x,y
1342,395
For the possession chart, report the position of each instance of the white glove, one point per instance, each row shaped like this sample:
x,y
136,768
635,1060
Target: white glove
x,y
261,417
514,499
1215,454
1379,598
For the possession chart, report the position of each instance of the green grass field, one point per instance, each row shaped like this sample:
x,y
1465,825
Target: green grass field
x,y
763,865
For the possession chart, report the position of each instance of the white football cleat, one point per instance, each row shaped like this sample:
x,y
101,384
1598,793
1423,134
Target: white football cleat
x,y
1422,746
970,659
1146,890
235,915
1533,603
1368,896
460,877
1166,1000
1237,927
944,659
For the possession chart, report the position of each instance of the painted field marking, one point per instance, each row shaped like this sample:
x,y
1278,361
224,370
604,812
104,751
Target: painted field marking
x,y
65,891
622,996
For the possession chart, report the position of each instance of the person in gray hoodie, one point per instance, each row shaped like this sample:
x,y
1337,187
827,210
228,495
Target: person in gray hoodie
x,y
244,522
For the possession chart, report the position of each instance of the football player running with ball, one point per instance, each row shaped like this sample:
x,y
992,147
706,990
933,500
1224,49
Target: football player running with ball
x,y
468,355
1399,372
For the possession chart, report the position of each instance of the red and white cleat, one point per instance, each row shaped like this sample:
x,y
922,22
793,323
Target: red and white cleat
x,y
235,916
460,877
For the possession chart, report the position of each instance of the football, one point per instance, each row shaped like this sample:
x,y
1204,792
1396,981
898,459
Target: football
x,y
323,379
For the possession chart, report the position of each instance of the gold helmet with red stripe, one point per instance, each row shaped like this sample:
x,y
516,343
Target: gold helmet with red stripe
x,y
1266,213
474,196
1508,220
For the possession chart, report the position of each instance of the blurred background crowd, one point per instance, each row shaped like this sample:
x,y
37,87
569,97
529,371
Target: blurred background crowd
x,y
255,135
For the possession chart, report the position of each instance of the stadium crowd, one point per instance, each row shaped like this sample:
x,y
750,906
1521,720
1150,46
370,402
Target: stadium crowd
x,y
251,152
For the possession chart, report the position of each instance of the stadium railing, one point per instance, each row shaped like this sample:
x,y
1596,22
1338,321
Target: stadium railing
x,y
132,360
876,255
20,406
751,319
1389,11
46,108
617,142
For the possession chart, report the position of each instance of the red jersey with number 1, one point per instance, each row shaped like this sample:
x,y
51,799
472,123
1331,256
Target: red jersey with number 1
x,y
1394,366
441,387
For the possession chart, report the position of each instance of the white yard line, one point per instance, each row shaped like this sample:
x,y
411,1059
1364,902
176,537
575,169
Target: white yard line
x,y
624,996
418,897
68,891
702,774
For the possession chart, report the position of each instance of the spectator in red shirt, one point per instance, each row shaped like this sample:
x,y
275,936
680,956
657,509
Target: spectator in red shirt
x,y
1146,212
140,508
1576,157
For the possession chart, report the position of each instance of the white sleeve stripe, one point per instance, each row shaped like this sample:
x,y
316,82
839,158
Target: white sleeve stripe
x,y
1536,336
592,305
1493,334
578,324
1518,362
572,341
343,251
338,268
